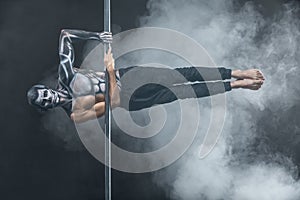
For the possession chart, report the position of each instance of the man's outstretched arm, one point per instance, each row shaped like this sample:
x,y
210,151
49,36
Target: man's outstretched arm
x,y
66,51
71,35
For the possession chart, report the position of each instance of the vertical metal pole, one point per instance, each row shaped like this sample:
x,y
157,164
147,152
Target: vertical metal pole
x,y
107,28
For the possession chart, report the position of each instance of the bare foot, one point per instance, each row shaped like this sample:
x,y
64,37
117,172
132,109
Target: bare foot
x,y
253,74
247,84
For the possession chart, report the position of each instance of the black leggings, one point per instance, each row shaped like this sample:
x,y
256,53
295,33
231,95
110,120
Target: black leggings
x,y
144,87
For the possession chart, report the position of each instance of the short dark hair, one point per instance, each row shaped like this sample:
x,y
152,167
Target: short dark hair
x,y
33,94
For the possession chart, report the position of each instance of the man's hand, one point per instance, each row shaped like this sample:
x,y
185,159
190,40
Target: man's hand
x,y
109,61
106,37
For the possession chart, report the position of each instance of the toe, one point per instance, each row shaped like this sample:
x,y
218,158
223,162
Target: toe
x,y
258,82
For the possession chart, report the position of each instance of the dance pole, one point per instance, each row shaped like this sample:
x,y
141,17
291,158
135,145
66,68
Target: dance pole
x,y
107,28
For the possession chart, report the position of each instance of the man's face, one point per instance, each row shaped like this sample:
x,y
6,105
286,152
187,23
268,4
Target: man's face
x,y
47,98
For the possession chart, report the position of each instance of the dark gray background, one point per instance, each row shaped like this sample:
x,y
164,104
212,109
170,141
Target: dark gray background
x,y
34,164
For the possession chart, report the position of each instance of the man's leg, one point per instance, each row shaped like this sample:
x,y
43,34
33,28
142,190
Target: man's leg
x,y
152,94
169,77
193,74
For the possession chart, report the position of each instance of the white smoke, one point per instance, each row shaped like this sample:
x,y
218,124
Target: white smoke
x,y
244,164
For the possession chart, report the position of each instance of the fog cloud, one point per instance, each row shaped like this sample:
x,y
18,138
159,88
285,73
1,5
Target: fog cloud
x,y
254,158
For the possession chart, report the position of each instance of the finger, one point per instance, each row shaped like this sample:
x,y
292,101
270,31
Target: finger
x,y
106,33
107,37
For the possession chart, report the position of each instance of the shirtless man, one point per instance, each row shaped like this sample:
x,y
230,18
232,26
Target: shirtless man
x,y
81,92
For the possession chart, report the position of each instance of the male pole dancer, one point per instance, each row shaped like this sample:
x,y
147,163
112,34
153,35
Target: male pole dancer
x,y
81,92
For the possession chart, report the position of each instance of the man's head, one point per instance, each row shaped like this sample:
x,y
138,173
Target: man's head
x,y
42,97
